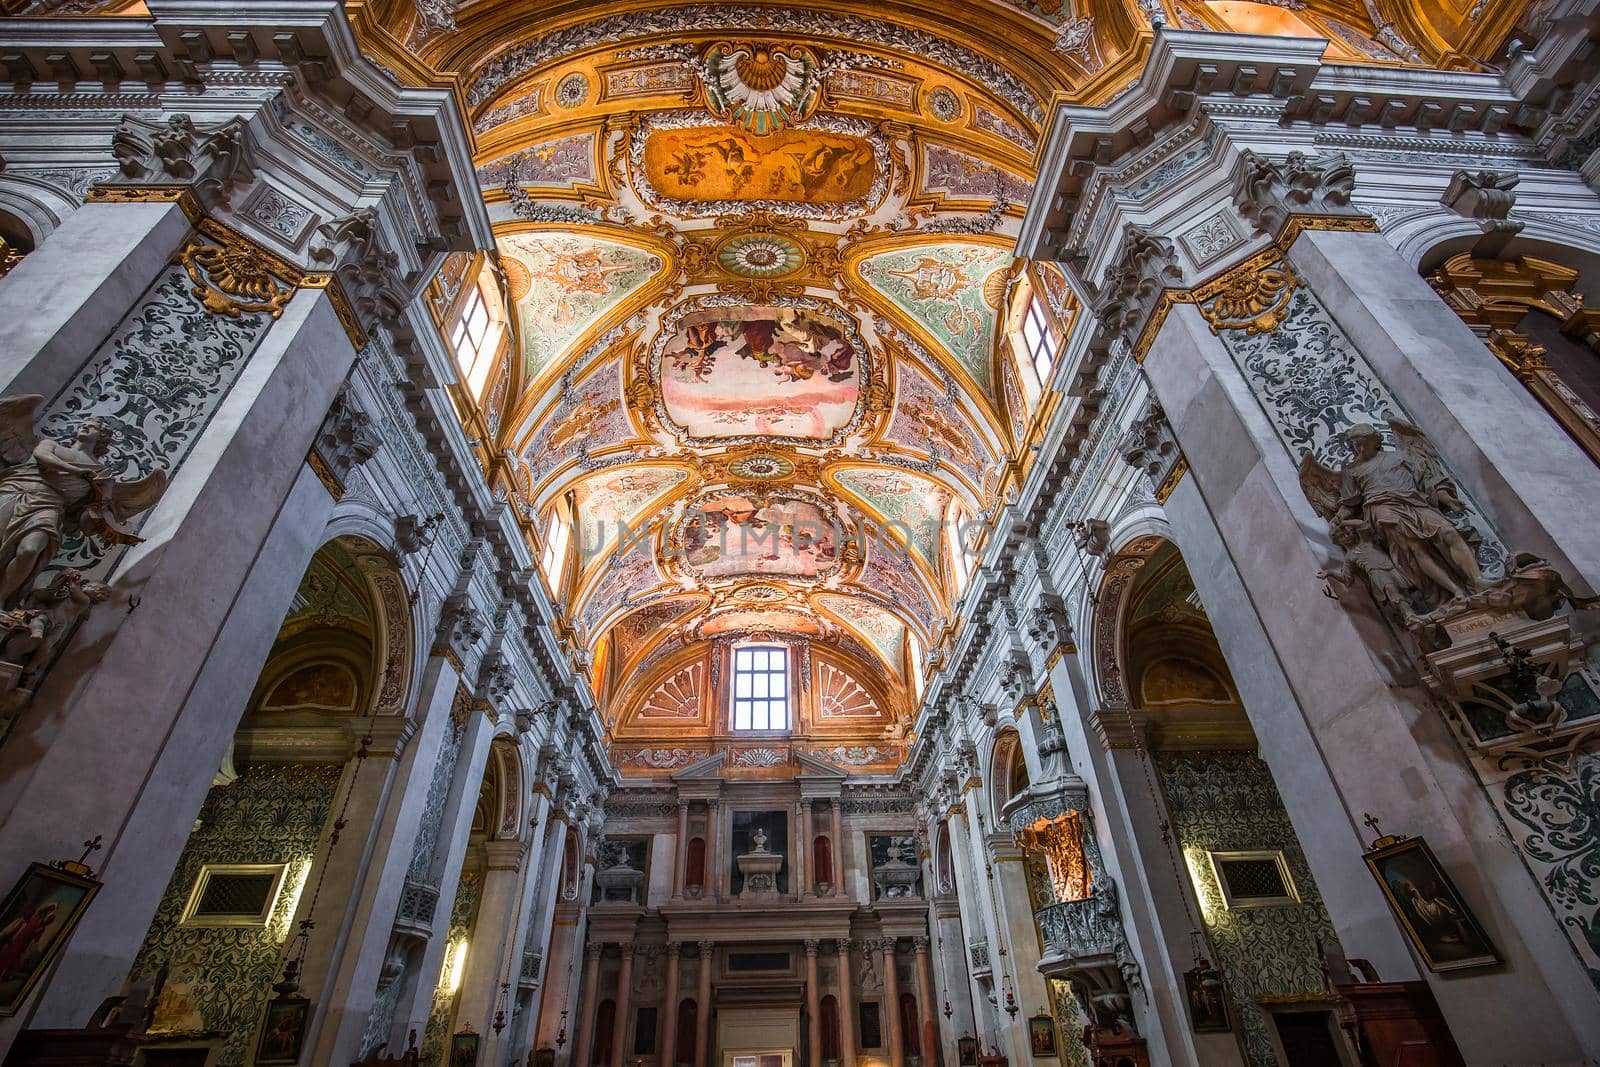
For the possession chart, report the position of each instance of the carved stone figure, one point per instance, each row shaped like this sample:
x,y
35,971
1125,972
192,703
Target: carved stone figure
x,y
1403,495
58,608
49,483
1365,559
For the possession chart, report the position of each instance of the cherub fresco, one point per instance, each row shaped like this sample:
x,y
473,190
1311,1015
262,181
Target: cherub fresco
x,y
570,273
778,371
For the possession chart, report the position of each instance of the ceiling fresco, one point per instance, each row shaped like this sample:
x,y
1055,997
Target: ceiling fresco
x,y
759,258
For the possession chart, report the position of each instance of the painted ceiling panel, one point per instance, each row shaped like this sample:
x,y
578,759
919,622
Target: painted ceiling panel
x,y
946,289
563,284
913,504
615,505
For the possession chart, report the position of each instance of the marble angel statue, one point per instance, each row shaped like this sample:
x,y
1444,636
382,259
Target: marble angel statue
x,y
47,484
1397,501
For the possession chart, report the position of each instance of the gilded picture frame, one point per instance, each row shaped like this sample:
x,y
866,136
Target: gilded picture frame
x,y
36,919
1422,896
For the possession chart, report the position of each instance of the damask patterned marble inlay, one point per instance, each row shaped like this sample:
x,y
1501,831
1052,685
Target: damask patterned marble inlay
x,y
272,813
1314,385
158,380
1226,801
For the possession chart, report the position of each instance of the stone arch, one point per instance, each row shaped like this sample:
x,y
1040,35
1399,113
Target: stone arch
x,y
1008,770
33,205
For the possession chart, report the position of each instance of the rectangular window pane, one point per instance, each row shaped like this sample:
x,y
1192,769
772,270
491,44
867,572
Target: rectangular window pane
x,y
760,688
741,717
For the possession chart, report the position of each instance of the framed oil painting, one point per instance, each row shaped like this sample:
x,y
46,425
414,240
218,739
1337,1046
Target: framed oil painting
x,y
283,1031
464,1049
35,920
967,1051
1428,906
1042,1035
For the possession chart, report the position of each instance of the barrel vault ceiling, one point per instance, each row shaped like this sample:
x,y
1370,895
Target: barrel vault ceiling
x,y
759,264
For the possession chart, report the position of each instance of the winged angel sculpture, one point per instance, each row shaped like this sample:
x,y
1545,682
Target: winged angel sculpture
x,y
1389,509
47,484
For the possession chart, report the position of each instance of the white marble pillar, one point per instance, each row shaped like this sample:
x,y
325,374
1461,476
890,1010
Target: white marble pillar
x,y
1010,888
149,700
1332,720
972,906
488,967
68,294
953,983
847,1006
667,1056
449,856
350,988
1126,820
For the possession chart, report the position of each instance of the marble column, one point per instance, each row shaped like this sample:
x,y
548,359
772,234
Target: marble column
x,y
443,869
245,511
702,1015
1021,935
847,1006
69,294
952,981
619,1021
669,1007
680,869
1332,719
352,974
929,1039
972,910
588,1008
813,1006
837,822
891,1001
1127,819
716,864
487,964
806,834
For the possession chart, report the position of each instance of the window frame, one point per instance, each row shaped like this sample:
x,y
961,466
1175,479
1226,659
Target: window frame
x,y
475,358
1034,315
766,673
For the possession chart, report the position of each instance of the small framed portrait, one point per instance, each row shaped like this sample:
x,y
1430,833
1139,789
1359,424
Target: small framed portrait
x,y
545,1057
283,1031
464,1049
1042,1035
1208,999
967,1051
1428,906
35,920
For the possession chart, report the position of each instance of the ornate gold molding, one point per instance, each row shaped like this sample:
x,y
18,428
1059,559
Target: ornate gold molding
x,y
1170,482
9,257
233,274
1494,297
1255,301
1252,295
325,475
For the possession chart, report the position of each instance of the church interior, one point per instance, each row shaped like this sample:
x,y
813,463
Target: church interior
x,y
723,533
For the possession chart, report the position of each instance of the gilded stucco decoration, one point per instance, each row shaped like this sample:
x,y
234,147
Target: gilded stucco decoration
x,y
759,264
